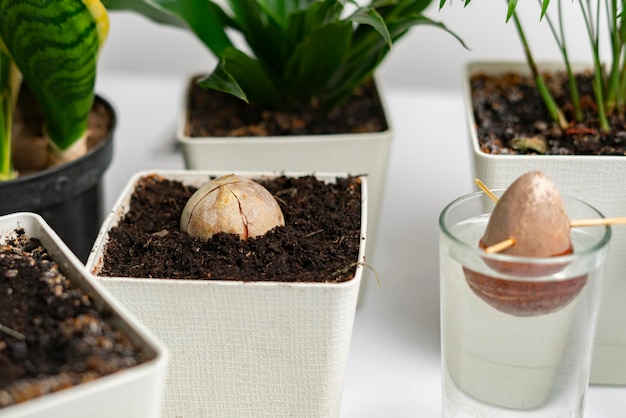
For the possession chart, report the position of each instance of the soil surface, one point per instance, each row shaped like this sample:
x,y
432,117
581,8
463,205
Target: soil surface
x,y
216,114
51,335
319,242
511,118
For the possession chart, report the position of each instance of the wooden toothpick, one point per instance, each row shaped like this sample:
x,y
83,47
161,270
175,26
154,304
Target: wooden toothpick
x,y
620,220
509,242
486,190
500,246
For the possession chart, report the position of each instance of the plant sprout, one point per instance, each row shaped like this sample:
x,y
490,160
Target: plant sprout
x,y
303,53
609,79
53,46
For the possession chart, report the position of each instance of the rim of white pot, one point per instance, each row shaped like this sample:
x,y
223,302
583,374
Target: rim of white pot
x,y
183,138
144,375
121,206
498,67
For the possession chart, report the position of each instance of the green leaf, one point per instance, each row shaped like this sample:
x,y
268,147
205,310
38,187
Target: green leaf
x,y
243,77
622,27
544,7
302,51
143,8
262,32
306,73
303,23
221,80
511,9
371,17
203,17
280,10
55,45
6,112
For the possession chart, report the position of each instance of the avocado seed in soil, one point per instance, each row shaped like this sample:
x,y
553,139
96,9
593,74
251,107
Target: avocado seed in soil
x,y
319,242
233,205
52,336
530,212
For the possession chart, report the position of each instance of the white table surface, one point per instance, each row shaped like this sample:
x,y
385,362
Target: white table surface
x,y
394,363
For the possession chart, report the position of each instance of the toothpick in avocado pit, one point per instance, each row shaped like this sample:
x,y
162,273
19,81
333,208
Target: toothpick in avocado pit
x,y
510,241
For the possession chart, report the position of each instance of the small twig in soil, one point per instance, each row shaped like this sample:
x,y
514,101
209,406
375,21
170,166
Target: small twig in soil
x,y
310,234
358,263
12,332
291,191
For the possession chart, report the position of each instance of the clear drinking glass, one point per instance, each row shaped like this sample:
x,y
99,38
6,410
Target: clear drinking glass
x,y
516,332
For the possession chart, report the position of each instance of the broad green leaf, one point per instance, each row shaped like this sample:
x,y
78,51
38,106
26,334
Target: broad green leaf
x,y
243,77
262,32
144,8
55,45
306,72
378,4
303,23
371,17
221,80
304,50
369,51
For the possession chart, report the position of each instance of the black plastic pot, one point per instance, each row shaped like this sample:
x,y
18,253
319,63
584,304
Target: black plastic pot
x,y
69,197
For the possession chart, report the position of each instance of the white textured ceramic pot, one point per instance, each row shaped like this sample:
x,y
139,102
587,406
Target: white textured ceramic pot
x,y
597,180
356,154
243,349
132,392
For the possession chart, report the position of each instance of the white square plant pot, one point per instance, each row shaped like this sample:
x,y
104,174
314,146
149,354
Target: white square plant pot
x,y
132,392
243,349
597,180
355,153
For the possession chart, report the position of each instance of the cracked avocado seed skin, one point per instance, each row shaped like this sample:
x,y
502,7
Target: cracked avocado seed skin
x,y
231,204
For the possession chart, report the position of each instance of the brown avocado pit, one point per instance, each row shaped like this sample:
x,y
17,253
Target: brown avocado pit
x,y
532,213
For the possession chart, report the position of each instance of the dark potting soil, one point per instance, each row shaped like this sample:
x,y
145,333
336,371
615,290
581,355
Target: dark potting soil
x,y
51,335
511,118
216,114
319,242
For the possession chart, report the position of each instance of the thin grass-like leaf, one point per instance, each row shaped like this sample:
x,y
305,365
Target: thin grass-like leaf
x,y
544,8
511,9
6,114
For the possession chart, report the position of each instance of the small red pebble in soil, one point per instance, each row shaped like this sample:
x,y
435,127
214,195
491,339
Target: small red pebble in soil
x,y
531,212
